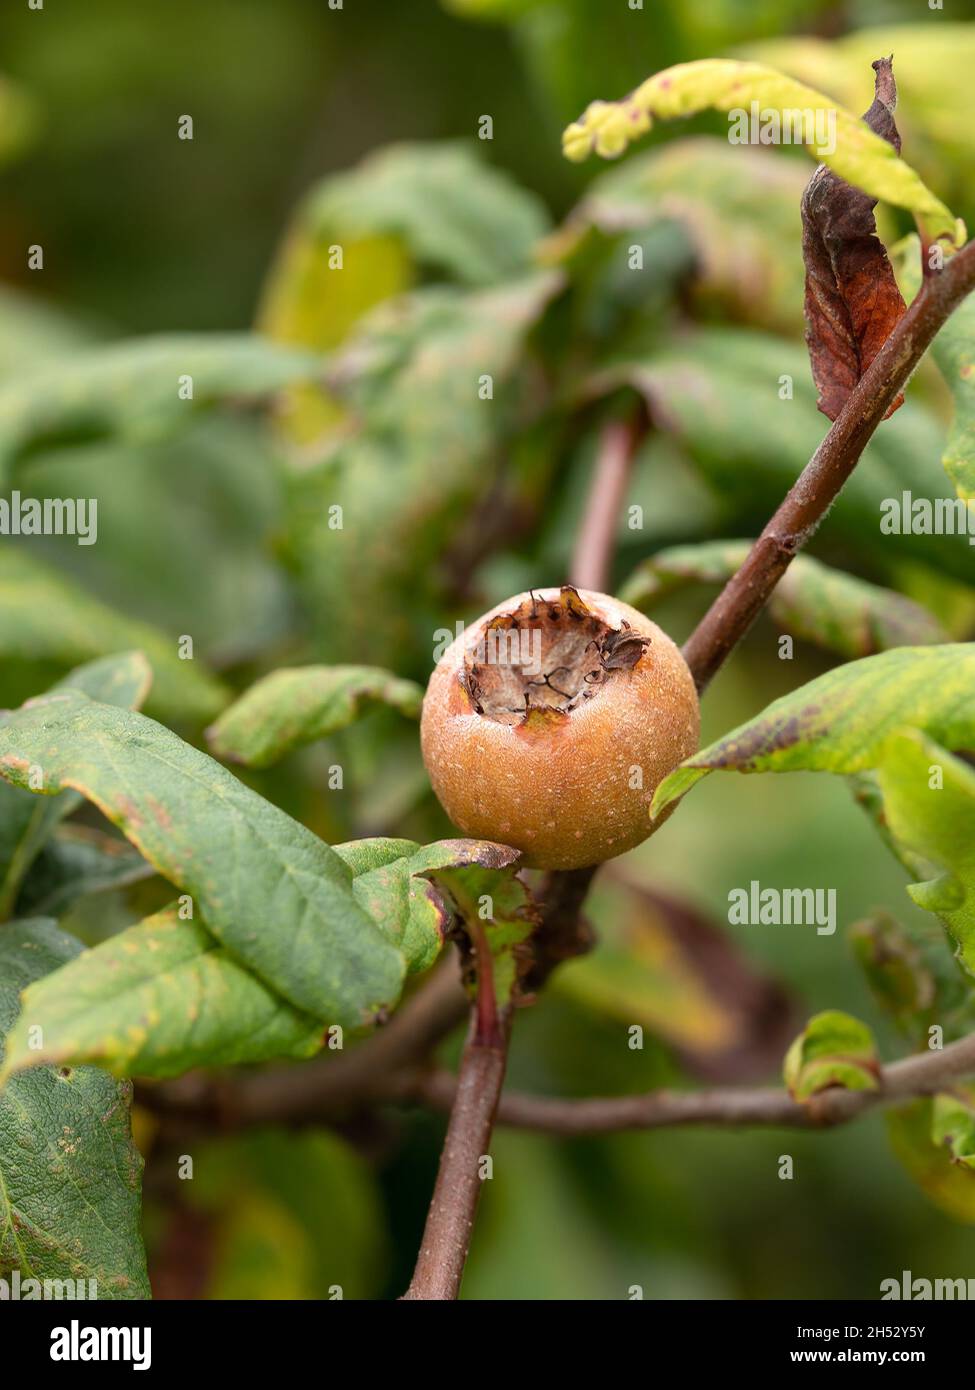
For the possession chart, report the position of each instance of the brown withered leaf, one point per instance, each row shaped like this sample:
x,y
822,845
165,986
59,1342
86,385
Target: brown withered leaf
x,y
852,301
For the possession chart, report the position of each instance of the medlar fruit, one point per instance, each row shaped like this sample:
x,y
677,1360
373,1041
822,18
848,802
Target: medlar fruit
x,y
550,722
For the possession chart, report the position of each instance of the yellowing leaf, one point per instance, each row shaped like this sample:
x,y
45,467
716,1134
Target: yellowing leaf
x,y
950,1186
841,721
838,611
929,804
899,715
954,352
861,157
155,1000
953,1125
934,62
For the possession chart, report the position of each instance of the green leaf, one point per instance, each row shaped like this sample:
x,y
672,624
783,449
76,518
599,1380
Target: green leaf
x,y
433,205
489,897
954,351
414,890
33,330
832,1050
272,893
910,978
164,996
859,156
294,706
898,715
156,1000
44,617
737,207
70,1175
77,861
822,605
25,823
390,884
293,1215
120,678
841,721
706,388
929,805
949,1185
215,489
953,1125
132,390
423,451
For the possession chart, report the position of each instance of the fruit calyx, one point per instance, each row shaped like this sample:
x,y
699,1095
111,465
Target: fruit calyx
x,y
542,659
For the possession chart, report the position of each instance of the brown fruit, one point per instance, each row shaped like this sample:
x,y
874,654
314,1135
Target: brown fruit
x,y
541,717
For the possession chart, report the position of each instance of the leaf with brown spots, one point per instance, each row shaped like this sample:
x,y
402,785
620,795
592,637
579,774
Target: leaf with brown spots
x,y
896,716
155,1000
271,892
843,721
164,996
70,1175
852,301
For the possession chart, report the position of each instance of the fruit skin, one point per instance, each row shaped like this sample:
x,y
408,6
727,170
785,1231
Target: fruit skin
x,y
558,789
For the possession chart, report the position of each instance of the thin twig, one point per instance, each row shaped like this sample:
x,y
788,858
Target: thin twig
x,y
747,592
923,1074
593,552
450,1220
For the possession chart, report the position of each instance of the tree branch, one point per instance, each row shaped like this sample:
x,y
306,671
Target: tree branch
x,y
922,1074
450,1220
593,552
747,592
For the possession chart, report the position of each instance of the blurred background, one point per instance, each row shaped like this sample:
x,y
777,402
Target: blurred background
x,y
210,523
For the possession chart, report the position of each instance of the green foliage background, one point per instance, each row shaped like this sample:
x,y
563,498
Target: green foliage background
x,y
212,525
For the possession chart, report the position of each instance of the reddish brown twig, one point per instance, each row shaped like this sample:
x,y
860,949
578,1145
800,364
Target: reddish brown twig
x,y
593,552
745,595
923,1074
450,1220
